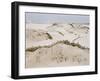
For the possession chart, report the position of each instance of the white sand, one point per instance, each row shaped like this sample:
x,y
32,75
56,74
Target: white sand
x,y
59,54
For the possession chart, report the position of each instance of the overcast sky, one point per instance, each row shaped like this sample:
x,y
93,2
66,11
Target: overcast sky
x,y
43,18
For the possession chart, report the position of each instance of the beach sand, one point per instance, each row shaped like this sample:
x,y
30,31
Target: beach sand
x,y
56,45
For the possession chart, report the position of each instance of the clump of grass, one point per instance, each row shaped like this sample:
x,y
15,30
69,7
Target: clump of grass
x,y
73,44
61,33
50,37
31,49
78,45
54,24
66,42
72,25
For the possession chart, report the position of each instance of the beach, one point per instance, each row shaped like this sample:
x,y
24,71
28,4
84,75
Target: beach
x,y
56,45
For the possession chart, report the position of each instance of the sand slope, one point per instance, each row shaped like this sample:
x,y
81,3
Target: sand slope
x,y
57,45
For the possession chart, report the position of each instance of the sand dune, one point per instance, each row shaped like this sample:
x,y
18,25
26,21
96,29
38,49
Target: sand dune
x,y
58,44
57,55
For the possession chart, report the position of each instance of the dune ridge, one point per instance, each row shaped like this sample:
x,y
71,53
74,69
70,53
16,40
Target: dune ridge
x,y
32,49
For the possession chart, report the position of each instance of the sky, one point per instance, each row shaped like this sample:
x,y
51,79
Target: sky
x,y
45,18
